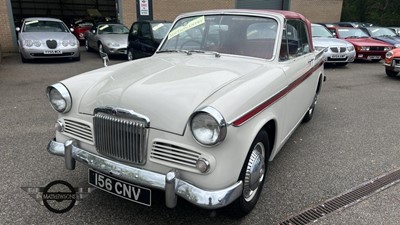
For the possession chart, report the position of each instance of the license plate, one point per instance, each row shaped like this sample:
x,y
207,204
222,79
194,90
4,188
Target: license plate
x,y
374,57
338,56
52,52
120,188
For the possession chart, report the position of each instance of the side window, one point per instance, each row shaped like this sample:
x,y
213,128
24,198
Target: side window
x,y
297,38
134,30
284,53
145,31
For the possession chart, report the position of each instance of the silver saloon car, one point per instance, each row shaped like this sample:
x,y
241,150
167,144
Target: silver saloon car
x,y
336,51
110,38
46,38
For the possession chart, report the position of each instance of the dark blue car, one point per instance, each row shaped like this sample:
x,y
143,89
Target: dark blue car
x,y
383,34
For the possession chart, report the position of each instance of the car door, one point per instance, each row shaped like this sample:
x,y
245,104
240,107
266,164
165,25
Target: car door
x,y
91,36
297,64
133,37
147,46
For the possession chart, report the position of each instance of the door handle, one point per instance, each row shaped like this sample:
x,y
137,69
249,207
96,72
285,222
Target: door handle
x,y
310,61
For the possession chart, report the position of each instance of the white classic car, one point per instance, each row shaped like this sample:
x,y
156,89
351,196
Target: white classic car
x,y
201,118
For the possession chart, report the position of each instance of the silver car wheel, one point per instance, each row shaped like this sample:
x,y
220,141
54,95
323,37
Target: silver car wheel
x,y
254,172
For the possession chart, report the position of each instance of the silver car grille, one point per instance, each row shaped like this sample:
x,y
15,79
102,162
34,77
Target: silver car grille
x,y
52,44
338,49
170,153
120,138
78,130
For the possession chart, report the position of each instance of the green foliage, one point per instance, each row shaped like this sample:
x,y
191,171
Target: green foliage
x,y
377,12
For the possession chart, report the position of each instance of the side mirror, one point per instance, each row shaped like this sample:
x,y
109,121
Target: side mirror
x,y
18,29
105,58
71,29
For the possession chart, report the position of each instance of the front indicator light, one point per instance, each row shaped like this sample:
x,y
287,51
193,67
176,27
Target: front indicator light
x,y
203,165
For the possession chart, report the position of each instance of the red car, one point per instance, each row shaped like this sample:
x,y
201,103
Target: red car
x,y
366,47
392,62
80,27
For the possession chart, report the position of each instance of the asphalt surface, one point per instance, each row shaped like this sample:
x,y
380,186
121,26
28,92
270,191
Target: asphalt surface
x,y
352,138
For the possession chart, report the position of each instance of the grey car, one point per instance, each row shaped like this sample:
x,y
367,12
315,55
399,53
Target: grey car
x,y
110,38
336,51
41,37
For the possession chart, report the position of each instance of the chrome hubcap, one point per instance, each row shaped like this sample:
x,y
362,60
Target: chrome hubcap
x,y
254,172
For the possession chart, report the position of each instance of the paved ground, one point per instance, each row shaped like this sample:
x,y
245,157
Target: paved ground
x,y
352,138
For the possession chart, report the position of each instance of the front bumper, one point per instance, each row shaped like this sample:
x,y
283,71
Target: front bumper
x,y
170,182
38,53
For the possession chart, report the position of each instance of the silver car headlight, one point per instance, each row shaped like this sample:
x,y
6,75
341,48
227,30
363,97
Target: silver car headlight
x,y
28,43
364,48
37,43
65,43
59,97
387,49
208,126
350,48
397,45
72,43
389,54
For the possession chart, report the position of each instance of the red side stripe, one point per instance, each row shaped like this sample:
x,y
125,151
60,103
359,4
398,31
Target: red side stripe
x,y
240,121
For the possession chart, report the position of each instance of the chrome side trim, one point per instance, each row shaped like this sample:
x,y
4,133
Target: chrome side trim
x,y
170,183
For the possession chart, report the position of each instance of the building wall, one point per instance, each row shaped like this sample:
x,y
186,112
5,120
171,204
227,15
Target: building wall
x,y
318,10
5,30
128,12
170,9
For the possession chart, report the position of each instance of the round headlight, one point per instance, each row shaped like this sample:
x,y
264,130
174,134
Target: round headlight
x,y
37,43
28,43
65,43
397,45
387,49
59,97
208,126
389,54
72,43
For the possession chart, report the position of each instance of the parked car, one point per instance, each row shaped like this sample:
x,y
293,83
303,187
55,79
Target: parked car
x,y
353,24
392,62
80,27
201,118
383,34
395,30
366,47
145,37
110,38
41,37
336,51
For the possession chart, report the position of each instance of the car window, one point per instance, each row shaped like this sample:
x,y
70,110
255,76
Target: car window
x,y
297,37
160,29
381,32
145,31
44,26
351,33
135,29
320,31
230,34
112,29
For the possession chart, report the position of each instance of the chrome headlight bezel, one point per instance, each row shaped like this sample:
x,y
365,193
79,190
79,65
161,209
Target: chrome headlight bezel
x,y
210,120
113,44
389,54
63,95
397,45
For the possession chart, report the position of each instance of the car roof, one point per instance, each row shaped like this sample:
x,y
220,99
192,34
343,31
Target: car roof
x,y
42,18
282,13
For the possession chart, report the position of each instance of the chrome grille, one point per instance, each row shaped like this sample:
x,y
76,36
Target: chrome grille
x,y
78,129
342,49
338,49
334,49
376,48
122,139
52,44
174,154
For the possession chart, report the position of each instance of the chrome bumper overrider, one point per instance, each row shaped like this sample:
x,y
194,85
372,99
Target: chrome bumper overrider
x,y
170,182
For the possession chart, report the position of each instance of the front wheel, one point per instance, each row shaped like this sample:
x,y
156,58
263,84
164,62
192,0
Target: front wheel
x,y
391,73
253,175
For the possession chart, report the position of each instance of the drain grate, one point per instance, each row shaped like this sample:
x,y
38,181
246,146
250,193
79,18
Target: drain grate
x,y
346,199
